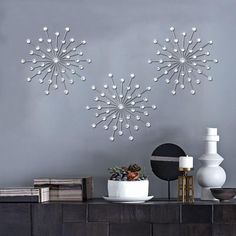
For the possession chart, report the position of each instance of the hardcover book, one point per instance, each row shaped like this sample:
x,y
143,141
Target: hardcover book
x,y
67,189
24,194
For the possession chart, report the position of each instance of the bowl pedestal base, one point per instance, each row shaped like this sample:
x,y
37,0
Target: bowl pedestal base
x,y
206,195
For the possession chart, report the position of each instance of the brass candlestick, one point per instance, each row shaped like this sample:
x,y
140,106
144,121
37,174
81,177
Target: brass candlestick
x,y
185,186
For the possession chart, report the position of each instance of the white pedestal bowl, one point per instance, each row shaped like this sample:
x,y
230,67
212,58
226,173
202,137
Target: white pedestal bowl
x,y
128,189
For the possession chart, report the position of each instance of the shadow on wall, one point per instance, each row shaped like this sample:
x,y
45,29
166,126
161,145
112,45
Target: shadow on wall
x,y
164,135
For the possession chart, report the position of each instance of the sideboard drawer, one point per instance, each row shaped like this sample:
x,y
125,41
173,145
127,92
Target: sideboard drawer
x,y
15,219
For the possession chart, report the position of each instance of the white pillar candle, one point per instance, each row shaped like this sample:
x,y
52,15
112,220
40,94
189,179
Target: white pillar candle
x,y
186,162
211,131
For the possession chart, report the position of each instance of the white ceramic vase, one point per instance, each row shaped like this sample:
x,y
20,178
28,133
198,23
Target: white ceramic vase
x,y
127,189
211,174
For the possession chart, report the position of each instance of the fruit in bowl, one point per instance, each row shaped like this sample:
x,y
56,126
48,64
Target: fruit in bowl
x,y
126,182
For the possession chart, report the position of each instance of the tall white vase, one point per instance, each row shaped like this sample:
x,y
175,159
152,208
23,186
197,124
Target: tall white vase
x,y
211,174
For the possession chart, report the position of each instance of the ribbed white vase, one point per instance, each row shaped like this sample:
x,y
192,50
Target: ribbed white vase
x,y
211,174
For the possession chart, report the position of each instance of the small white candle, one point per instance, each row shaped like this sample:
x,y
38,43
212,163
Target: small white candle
x,y
211,131
186,162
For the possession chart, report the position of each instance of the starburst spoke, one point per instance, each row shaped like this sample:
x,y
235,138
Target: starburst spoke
x,y
128,88
109,97
165,49
38,48
176,41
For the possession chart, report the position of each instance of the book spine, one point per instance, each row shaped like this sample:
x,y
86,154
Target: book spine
x,y
60,181
87,188
20,199
58,185
84,189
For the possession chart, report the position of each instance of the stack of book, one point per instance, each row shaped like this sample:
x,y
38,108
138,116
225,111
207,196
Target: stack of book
x,y
73,189
24,194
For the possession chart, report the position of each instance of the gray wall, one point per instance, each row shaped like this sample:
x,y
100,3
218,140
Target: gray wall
x,y
51,135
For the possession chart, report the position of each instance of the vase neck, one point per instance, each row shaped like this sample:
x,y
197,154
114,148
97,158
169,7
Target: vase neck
x,y
211,147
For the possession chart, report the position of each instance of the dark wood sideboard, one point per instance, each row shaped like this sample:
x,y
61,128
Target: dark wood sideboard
x,y
100,218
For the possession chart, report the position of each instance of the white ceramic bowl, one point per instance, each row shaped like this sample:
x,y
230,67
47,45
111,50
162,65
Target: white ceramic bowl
x,y
123,189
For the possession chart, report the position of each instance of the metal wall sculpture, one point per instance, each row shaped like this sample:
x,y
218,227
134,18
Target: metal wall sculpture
x,y
56,60
182,61
121,107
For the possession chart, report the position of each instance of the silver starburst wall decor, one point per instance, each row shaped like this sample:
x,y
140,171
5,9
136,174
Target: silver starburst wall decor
x,y
183,61
121,108
55,60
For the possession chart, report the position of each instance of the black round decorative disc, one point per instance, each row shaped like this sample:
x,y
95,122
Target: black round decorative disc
x,y
165,161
